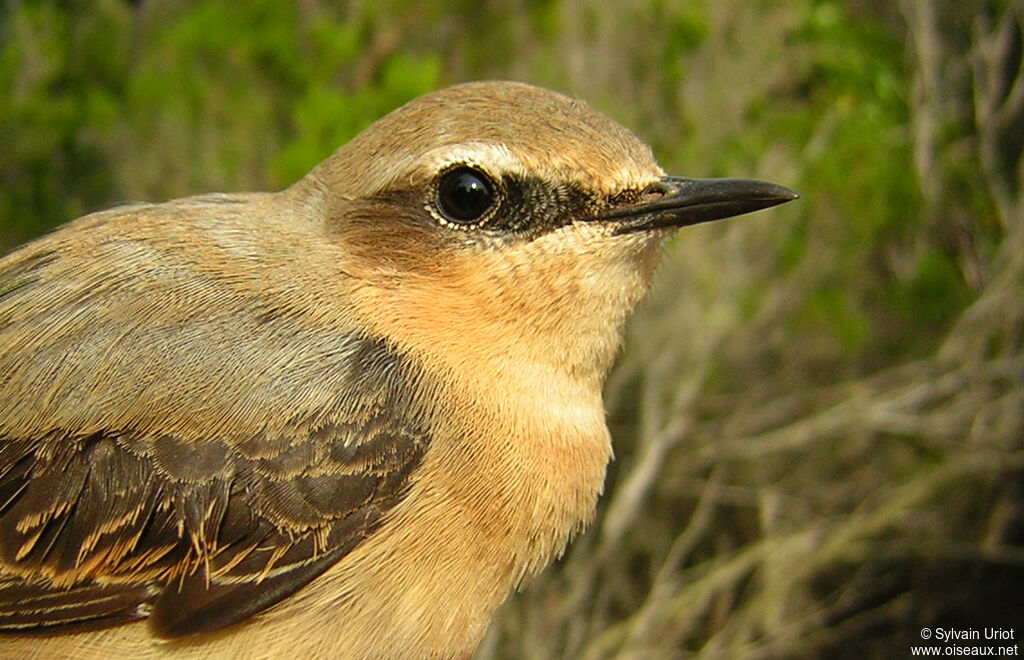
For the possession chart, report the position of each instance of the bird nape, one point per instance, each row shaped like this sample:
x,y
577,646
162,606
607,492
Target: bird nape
x,y
346,419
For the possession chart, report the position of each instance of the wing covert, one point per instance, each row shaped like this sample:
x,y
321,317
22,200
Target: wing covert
x,y
238,460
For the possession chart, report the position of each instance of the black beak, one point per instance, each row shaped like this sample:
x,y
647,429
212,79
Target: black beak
x,y
677,202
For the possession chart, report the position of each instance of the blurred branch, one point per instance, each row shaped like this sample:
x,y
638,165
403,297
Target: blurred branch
x,y
926,93
998,100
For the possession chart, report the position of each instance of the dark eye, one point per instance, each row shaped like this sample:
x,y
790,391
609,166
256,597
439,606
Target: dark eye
x,y
464,195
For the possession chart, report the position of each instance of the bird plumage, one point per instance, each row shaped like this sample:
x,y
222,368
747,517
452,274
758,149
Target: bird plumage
x,y
169,430
333,420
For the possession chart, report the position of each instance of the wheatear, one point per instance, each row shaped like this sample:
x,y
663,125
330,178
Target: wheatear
x,y
344,420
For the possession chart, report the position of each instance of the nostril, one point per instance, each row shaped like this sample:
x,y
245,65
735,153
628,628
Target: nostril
x,y
655,191
631,201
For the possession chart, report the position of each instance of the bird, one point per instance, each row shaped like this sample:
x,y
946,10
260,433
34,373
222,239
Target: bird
x,y
347,419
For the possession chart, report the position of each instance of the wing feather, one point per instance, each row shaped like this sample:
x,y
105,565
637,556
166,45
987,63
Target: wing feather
x,y
167,449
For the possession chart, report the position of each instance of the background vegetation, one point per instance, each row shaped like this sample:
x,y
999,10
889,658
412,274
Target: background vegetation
x,y
819,412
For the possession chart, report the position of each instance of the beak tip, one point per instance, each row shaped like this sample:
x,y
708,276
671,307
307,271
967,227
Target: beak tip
x,y
781,194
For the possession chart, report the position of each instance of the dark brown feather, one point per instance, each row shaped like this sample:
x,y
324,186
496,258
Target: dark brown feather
x,y
31,606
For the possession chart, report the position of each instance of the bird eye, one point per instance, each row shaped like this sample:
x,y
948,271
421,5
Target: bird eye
x,y
464,195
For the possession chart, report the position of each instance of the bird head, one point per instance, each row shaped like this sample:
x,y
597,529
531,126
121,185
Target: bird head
x,y
494,216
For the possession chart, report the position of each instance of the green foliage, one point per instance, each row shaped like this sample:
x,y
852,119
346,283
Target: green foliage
x,y
60,74
934,288
848,111
100,102
326,115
